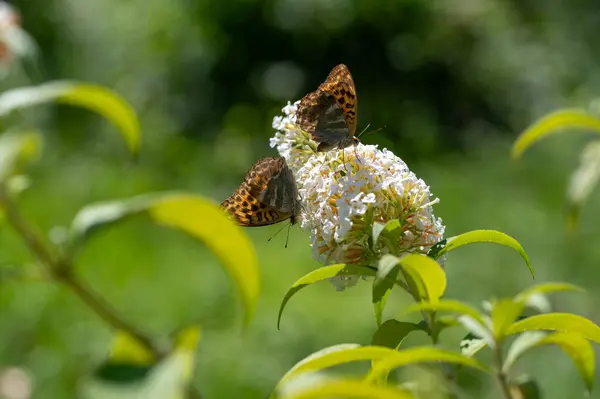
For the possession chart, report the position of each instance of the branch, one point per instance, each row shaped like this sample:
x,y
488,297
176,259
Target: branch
x,y
61,270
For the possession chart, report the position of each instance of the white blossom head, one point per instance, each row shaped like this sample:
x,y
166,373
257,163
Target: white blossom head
x,y
345,192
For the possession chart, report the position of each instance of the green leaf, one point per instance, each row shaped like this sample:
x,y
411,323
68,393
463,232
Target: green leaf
x,y
435,249
504,313
583,181
520,345
192,214
420,355
471,344
16,150
126,349
131,371
578,348
321,274
565,322
93,97
391,231
347,388
426,274
552,123
387,272
480,236
546,288
448,305
336,355
525,389
392,332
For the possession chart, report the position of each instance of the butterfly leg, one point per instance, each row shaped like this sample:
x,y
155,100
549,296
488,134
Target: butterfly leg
x,y
356,155
278,231
288,235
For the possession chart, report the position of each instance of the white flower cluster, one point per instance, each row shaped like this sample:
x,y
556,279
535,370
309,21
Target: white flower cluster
x,y
344,192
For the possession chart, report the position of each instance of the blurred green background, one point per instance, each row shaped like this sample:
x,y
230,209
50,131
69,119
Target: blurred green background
x,y
452,81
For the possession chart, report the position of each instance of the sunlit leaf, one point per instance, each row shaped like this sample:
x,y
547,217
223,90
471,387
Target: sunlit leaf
x,y
448,305
321,274
384,281
478,329
520,345
131,371
471,344
552,123
336,355
90,96
127,349
427,275
577,347
420,355
583,181
565,322
504,313
546,288
192,214
16,150
482,236
347,388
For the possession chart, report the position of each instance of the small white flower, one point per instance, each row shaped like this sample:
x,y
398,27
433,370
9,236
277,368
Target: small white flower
x,y
343,192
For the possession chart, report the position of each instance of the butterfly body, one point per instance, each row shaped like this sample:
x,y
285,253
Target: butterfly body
x,y
268,195
329,113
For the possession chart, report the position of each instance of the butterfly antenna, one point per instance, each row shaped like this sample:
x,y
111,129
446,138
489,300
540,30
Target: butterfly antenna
x,y
288,234
278,231
364,130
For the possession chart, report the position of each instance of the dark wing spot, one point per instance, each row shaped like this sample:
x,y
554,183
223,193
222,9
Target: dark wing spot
x,y
254,207
245,204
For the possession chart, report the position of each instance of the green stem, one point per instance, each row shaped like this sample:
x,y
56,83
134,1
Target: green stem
x,y
501,375
61,270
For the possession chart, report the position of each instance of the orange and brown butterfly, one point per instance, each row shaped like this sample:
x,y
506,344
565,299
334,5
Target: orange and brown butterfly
x,y
268,195
329,113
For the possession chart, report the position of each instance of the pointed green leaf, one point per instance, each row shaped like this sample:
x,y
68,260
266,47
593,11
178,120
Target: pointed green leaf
x,y
427,275
336,355
546,288
577,347
565,322
347,388
471,344
420,355
321,274
391,333
127,349
481,236
16,150
90,96
553,123
203,220
583,181
504,313
387,273
391,232
192,214
448,305
520,345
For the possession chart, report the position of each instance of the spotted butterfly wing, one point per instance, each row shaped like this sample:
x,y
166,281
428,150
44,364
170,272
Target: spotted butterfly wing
x,y
329,113
268,195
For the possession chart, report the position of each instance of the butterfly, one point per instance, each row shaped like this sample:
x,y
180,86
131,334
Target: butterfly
x,y
329,113
268,195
